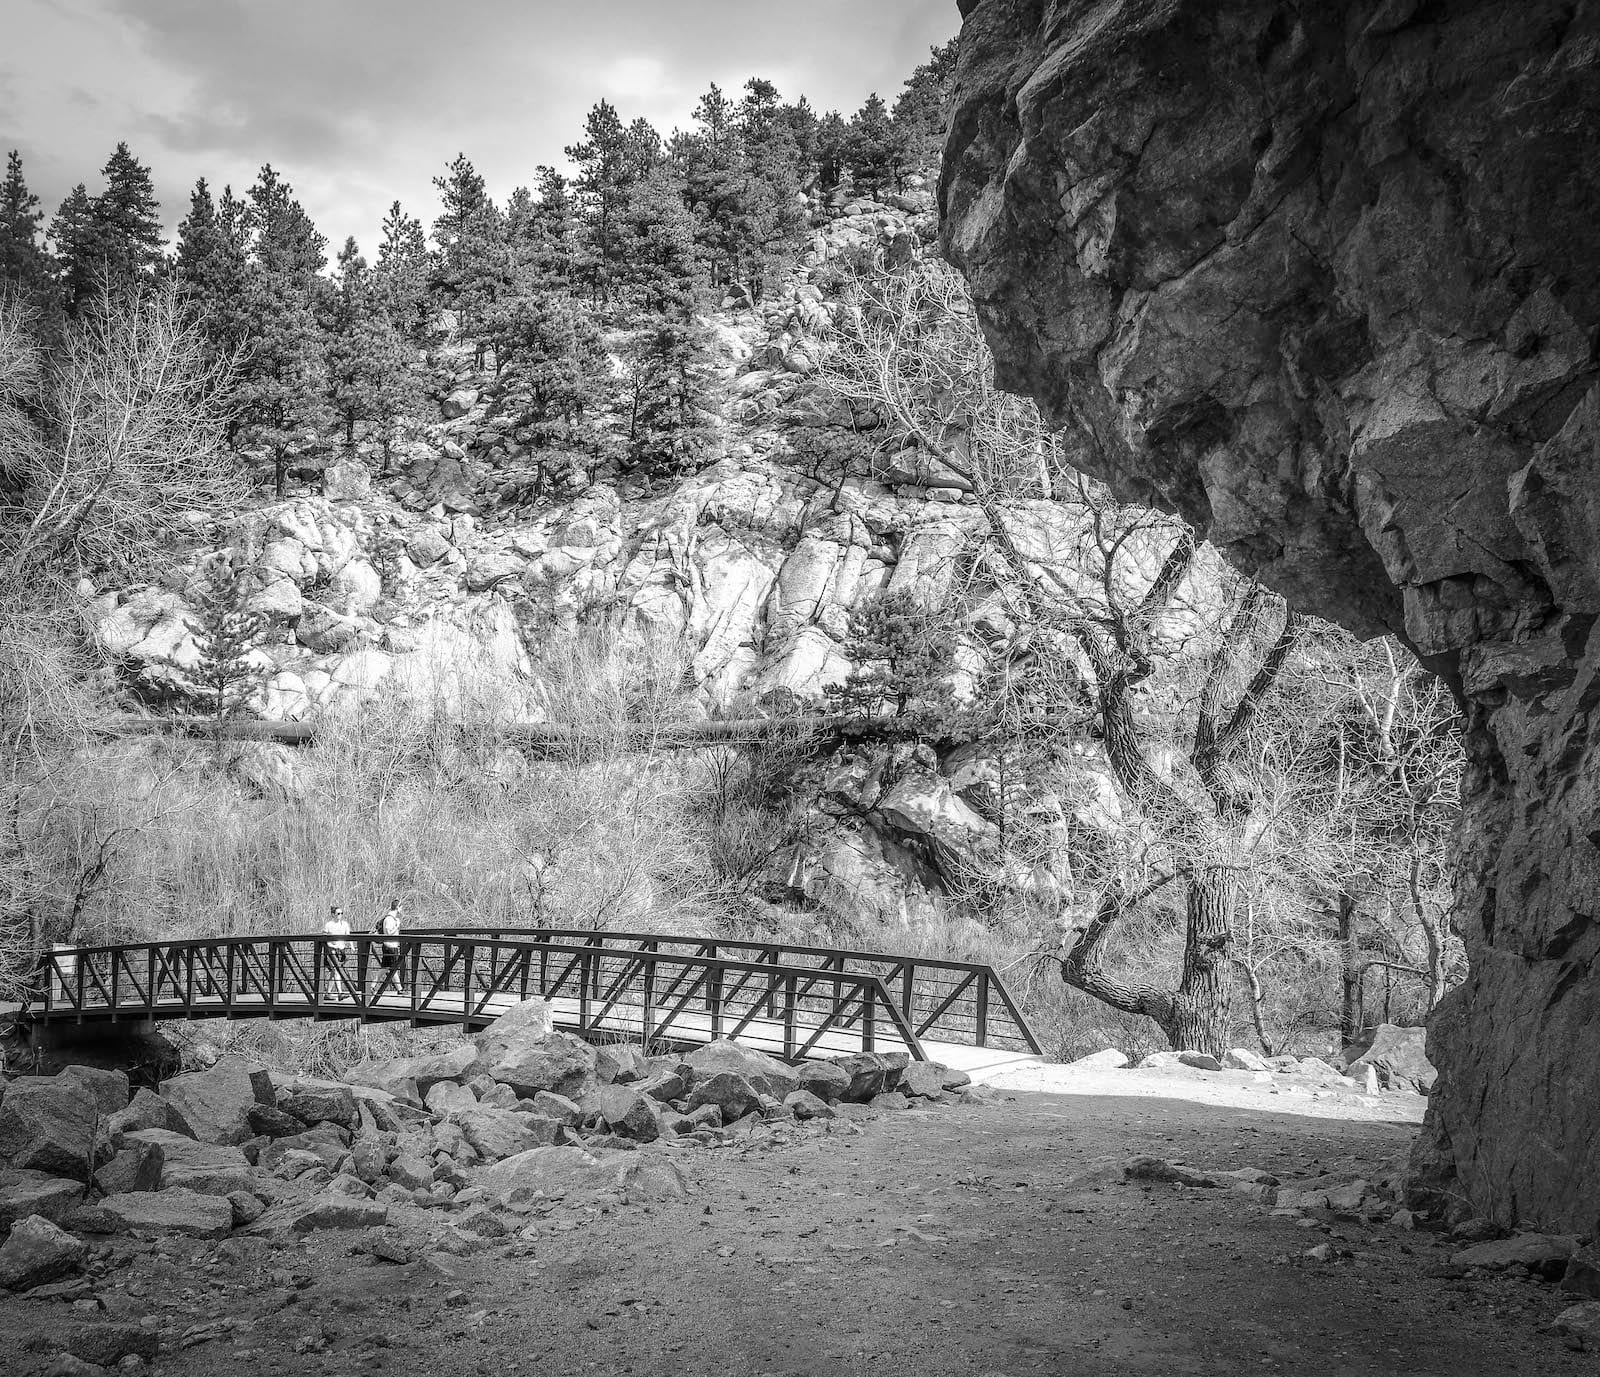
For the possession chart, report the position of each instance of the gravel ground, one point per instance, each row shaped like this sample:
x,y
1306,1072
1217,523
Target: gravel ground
x,y
992,1239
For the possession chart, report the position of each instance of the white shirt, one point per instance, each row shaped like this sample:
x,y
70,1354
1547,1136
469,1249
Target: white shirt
x,y
337,927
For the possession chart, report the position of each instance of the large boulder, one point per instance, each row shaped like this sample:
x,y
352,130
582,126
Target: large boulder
x,y
49,1125
573,1175
727,1091
1325,280
109,1088
136,1167
37,1251
24,1193
207,1168
410,1078
1400,1057
146,1110
529,1060
189,1213
499,1133
625,1112
767,1074
214,1105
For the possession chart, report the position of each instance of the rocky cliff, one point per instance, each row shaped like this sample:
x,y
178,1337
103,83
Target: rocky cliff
x,y
1326,280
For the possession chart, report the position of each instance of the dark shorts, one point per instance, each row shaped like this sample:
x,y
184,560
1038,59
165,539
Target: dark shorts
x,y
389,957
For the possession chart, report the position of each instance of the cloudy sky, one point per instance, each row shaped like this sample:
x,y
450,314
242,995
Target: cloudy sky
x,y
360,102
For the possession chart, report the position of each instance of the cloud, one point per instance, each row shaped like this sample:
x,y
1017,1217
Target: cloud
x,y
357,102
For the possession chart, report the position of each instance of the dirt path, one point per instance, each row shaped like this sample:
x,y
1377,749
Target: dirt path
x,y
971,1240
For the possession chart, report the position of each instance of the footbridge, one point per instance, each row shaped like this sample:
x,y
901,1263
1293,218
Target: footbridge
x,y
656,989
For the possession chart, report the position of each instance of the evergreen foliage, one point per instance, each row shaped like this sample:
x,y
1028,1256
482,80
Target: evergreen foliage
x,y
400,277
281,379
611,158
225,636
872,149
903,667
370,367
24,265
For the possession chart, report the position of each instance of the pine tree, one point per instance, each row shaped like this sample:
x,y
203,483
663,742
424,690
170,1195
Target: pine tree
x,y
370,369
111,242
70,241
473,268
557,367
24,265
871,149
670,429
401,274
211,263
611,159
901,651
225,638
280,383
922,111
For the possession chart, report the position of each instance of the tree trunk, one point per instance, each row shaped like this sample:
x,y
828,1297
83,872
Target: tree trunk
x,y
1351,971
1202,1018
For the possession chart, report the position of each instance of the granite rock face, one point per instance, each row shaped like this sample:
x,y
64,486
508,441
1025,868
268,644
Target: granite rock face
x,y
1326,280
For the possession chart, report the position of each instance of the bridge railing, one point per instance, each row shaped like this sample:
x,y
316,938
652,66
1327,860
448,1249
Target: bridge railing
x,y
651,996
946,1001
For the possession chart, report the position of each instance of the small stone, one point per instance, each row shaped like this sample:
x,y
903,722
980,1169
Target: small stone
x,y
70,1365
1581,1322
1323,1252
246,1208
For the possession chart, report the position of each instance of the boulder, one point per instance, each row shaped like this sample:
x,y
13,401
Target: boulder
x,y
923,1080
109,1088
49,1125
446,1097
315,1105
412,1172
1243,1059
24,1193
1546,1254
1580,1323
530,1061
37,1251
558,1107
458,403
409,1078
337,1211
136,1167
731,1094
1582,1276
268,1121
499,1133
824,1080
574,1175
804,1105
180,1211
247,1207
206,1168
214,1104
767,1074
146,1110
625,1112
1399,1057
1157,1169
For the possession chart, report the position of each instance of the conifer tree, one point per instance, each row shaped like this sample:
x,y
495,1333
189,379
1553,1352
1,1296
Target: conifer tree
x,y
922,111
669,427
211,263
872,150
831,135
370,369
400,277
281,377
611,159
111,242
24,265
225,637
472,270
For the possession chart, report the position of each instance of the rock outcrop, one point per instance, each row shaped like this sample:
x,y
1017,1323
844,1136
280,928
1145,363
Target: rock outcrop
x,y
1326,280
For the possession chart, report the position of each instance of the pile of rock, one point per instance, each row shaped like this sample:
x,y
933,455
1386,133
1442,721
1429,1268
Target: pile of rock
x,y
514,1120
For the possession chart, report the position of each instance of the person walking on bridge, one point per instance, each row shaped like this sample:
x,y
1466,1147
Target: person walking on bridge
x,y
338,953
388,927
